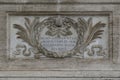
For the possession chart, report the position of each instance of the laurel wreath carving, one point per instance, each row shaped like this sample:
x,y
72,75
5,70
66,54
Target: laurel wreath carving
x,y
87,33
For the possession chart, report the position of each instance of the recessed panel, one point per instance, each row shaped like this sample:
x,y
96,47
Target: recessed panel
x,y
58,36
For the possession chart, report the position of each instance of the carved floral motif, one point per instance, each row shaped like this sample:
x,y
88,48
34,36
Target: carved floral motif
x,y
59,27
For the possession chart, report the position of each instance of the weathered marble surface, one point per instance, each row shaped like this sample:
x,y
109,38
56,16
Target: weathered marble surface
x,y
60,40
80,69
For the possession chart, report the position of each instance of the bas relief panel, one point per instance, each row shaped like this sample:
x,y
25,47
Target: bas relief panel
x,y
58,36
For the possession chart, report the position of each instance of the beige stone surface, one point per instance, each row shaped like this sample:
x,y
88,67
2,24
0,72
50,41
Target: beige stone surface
x,y
56,69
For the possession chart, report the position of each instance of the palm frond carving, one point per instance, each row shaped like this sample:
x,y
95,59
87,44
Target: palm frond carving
x,y
89,31
81,26
27,33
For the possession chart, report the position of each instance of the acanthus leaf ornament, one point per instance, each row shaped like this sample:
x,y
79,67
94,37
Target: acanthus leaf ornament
x,y
28,33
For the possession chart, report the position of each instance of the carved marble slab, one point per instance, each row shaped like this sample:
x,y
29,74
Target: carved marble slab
x,y
58,36
59,39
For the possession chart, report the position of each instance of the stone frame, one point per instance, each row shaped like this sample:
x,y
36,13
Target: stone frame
x,y
108,72
70,13
76,13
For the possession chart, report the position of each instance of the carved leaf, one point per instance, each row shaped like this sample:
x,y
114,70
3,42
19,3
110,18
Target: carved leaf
x,y
97,34
22,33
27,23
82,22
35,23
88,29
27,33
94,32
82,26
27,20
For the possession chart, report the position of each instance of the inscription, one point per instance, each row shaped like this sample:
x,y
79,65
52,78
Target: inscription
x,y
58,44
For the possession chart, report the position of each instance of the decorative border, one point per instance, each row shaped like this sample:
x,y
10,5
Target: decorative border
x,y
60,2
70,13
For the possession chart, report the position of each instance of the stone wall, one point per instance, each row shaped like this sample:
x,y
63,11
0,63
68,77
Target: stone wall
x,y
57,68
